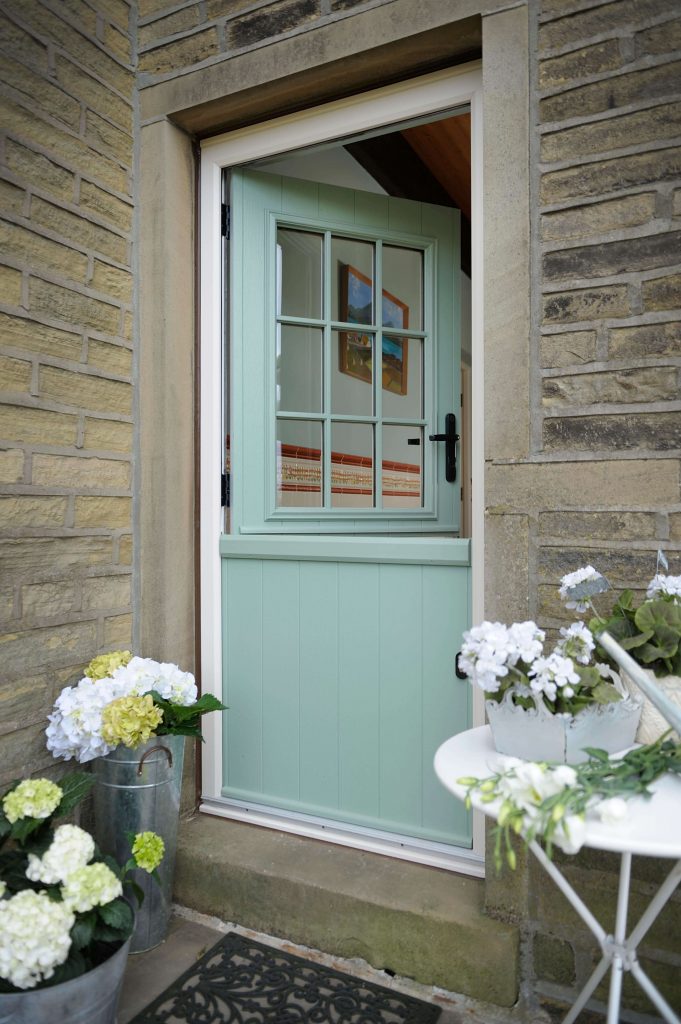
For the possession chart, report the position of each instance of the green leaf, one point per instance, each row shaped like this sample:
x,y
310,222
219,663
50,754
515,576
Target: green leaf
x,y
630,643
597,754
105,933
207,702
118,914
137,890
83,929
23,828
71,968
75,787
605,693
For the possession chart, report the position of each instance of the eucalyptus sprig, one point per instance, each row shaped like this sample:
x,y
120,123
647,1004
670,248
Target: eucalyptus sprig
x,y
550,802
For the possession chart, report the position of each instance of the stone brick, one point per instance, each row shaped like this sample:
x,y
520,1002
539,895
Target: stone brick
x,y
656,432
646,340
117,10
15,374
79,230
35,169
148,7
125,550
32,510
272,21
662,292
34,426
650,384
101,134
664,38
52,28
91,474
128,325
597,218
118,43
675,526
607,259
108,435
24,46
179,21
217,8
568,349
6,613
54,645
94,93
103,204
104,592
602,20
581,526
602,176
51,99
83,15
642,126
72,307
180,54
10,285
23,753
111,280
590,60
47,600
62,145
624,566
24,701
110,512
634,87
586,304
11,466
49,557
111,358
17,332
27,247
11,197
85,391
118,631
676,203
554,959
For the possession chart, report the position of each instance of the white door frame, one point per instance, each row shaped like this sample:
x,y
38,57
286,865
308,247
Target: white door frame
x,y
394,104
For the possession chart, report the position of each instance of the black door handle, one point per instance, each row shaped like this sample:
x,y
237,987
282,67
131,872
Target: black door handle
x,y
450,437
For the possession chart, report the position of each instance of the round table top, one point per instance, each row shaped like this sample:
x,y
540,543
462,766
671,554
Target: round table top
x,y
652,827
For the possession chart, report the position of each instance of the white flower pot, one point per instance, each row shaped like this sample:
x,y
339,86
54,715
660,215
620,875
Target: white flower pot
x,y
536,735
653,723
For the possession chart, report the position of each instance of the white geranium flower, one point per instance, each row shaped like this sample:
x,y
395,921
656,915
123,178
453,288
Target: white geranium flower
x,y
612,811
141,675
34,937
664,586
485,654
573,579
90,886
577,643
553,674
526,639
71,848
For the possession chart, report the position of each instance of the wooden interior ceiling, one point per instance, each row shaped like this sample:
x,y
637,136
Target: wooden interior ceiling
x,y
445,148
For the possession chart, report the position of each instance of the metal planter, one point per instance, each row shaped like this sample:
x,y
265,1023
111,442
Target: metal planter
x,y
90,999
138,791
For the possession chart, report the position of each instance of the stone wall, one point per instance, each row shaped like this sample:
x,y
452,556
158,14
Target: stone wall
x,y
66,354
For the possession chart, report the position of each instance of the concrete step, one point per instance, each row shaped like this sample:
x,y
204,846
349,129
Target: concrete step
x,y
419,922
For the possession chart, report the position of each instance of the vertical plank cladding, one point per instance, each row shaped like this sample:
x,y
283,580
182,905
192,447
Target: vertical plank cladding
x,y
340,685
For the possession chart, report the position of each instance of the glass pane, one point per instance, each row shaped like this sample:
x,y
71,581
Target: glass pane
x,y
352,281
352,465
299,368
299,273
352,359
402,287
299,464
402,378
402,467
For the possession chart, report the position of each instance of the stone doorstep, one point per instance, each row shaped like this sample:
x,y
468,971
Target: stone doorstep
x,y
419,922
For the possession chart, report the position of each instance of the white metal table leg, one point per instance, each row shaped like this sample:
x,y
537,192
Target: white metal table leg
x,y
656,998
618,965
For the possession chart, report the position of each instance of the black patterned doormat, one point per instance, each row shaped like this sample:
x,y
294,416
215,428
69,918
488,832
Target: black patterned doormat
x,y
239,981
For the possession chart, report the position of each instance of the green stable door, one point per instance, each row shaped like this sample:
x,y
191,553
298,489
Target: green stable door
x,y
345,586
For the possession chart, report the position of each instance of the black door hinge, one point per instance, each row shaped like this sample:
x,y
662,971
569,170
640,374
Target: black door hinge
x,y
224,491
225,220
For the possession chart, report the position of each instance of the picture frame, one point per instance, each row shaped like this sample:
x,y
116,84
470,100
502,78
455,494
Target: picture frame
x,y
354,348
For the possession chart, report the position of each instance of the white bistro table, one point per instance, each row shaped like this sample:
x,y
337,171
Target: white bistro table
x,y
652,829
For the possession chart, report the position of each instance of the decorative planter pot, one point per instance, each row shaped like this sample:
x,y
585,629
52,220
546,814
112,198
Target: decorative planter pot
x,y
536,735
90,999
138,791
653,723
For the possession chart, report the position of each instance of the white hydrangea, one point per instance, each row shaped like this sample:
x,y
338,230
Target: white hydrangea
x,y
34,937
577,643
70,849
90,886
141,675
664,586
485,653
572,579
553,674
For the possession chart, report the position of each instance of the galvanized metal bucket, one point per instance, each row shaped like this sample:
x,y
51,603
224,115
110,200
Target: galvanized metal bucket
x,y
90,999
138,791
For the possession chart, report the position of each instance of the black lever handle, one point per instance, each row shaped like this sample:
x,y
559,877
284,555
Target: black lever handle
x,y
450,437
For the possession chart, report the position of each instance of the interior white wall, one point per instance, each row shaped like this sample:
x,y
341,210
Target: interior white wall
x,y
333,166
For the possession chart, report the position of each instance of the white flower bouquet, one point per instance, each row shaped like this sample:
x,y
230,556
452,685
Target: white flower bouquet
x,y
62,909
125,700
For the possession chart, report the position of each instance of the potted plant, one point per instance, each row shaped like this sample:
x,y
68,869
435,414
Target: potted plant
x,y
65,924
130,716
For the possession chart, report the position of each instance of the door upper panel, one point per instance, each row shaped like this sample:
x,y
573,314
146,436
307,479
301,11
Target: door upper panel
x,y
345,358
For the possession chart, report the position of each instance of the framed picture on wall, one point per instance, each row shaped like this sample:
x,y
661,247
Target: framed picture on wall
x,y
355,347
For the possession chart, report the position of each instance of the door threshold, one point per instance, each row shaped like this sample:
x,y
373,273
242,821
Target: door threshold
x,y
417,851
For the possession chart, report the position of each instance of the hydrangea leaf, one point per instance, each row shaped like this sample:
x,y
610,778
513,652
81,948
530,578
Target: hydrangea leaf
x,y
117,914
75,788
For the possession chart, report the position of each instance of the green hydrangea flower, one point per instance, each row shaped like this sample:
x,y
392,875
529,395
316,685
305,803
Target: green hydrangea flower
x,y
32,798
130,720
93,885
104,665
148,849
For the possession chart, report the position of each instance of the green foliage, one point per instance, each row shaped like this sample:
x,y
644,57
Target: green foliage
x,y
184,720
650,633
